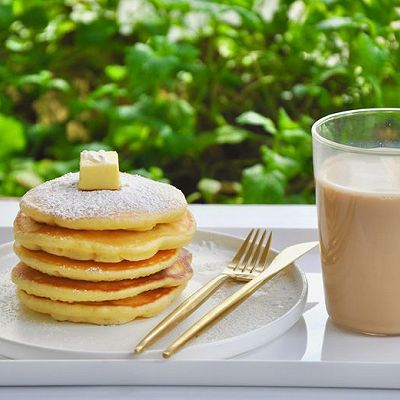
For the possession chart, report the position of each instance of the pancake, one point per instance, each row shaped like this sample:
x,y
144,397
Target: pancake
x,y
92,270
69,290
103,246
140,204
108,312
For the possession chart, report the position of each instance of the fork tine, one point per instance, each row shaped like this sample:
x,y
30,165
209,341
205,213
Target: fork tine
x,y
235,260
263,259
252,263
249,252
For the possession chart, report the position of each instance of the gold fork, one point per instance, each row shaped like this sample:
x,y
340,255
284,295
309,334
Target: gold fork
x,y
249,261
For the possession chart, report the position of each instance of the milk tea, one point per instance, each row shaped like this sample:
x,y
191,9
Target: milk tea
x,y
358,200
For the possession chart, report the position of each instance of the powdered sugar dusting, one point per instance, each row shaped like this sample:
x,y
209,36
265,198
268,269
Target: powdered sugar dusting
x,y
268,303
9,304
61,198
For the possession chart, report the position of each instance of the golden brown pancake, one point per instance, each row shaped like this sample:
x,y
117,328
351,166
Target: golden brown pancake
x,y
139,204
69,290
93,270
103,246
109,312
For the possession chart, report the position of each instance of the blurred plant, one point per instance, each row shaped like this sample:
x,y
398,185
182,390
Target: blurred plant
x,y
216,97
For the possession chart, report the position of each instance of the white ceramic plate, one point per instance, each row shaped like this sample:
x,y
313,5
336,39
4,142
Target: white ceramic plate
x,y
267,314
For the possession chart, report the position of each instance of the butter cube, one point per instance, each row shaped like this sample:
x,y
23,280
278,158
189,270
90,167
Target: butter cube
x,y
99,170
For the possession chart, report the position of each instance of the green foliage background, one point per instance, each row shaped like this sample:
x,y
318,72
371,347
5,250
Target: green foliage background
x,y
216,97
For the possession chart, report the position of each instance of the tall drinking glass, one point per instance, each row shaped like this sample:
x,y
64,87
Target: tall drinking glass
x,y
357,174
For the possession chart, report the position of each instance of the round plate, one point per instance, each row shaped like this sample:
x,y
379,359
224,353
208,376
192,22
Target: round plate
x,y
268,313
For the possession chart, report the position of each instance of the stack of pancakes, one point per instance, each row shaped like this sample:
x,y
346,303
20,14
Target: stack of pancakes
x,y
102,256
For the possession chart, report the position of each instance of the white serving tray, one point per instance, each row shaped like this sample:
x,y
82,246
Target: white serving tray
x,y
313,352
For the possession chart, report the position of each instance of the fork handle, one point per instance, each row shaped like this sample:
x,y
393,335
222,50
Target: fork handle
x,y
181,312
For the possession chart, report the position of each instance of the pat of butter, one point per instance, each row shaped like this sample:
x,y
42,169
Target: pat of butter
x,y
99,170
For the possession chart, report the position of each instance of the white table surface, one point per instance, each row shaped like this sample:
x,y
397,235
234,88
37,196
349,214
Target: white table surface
x,y
218,218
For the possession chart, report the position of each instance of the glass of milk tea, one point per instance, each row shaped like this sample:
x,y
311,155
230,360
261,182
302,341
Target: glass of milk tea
x,y
357,174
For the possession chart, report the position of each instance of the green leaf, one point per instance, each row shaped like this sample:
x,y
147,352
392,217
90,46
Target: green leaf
x,y
229,134
127,112
116,72
133,136
335,23
50,169
59,84
253,118
301,90
337,71
285,122
154,173
156,64
22,6
172,143
369,55
274,161
40,78
226,134
295,135
227,47
260,186
250,19
6,16
35,17
16,44
147,69
106,89
95,33
12,136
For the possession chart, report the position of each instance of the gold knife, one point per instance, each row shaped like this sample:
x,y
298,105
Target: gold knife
x,y
281,261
